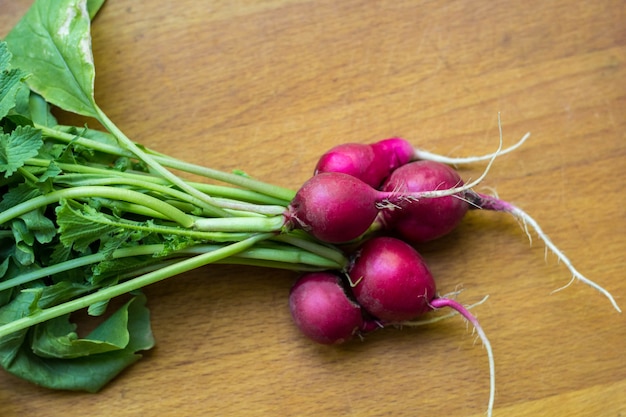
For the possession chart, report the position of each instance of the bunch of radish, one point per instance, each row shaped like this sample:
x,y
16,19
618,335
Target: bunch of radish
x,y
85,212
383,199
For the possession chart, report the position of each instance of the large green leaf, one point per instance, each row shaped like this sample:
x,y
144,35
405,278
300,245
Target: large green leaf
x,y
57,359
52,43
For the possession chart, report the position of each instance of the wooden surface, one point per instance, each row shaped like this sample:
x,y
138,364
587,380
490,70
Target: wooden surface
x,y
267,86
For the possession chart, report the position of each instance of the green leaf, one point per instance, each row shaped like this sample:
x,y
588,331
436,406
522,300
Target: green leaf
x,y
79,228
52,42
19,194
129,326
98,309
93,6
39,225
5,57
15,148
40,111
57,338
10,81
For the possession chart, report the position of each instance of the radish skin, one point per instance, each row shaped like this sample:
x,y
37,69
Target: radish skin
x,y
373,163
337,208
391,280
427,219
322,310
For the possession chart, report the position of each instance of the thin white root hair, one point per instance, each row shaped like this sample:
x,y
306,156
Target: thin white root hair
x,y
492,190
429,156
417,323
470,185
527,220
524,226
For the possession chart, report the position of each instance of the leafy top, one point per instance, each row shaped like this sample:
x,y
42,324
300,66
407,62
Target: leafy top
x,y
53,41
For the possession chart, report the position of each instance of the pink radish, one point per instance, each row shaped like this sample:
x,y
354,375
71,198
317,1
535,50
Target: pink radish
x,y
372,163
426,219
392,282
337,208
322,310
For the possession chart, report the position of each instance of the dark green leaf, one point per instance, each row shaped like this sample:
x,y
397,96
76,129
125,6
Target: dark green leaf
x,y
19,194
15,148
79,228
57,338
10,81
41,227
87,373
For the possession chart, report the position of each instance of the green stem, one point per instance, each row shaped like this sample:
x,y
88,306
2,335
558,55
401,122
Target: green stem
x,y
130,285
146,185
300,240
275,253
77,263
28,176
233,234
148,159
241,224
168,210
240,207
283,195
232,193
276,256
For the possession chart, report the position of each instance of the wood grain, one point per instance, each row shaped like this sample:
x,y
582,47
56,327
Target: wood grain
x,y
267,86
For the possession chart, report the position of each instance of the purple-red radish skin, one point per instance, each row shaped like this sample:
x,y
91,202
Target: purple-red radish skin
x,y
370,163
334,207
391,280
391,154
426,219
354,159
338,208
322,310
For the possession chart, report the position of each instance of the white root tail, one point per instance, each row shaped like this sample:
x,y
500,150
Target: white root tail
x,y
446,302
450,191
526,220
429,156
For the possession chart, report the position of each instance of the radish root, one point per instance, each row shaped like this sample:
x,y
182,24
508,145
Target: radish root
x,y
455,305
491,203
387,203
431,320
429,156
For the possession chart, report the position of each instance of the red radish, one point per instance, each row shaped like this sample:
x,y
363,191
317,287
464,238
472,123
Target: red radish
x,y
354,159
372,163
336,207
333,207
426,219
369,163
322,310
392,282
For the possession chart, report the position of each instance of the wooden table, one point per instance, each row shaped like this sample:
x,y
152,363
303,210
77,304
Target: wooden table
x,y
267,86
